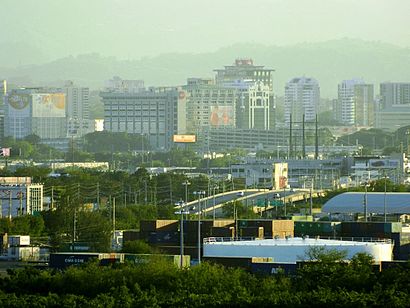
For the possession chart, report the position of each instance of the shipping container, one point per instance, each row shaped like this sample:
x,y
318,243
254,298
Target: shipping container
x,y
139,259
249,232
231,262
159,225
266,268
23,253
63,260
368,228
223,232
19,240
302,218
163,237
223,223
318,228
131,235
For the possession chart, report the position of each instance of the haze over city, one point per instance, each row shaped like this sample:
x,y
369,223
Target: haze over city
x,y
132,29
204,153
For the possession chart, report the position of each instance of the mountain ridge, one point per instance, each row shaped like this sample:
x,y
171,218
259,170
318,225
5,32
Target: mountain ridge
x,y
329,62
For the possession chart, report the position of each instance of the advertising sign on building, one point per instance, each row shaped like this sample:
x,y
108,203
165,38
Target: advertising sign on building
x,y
280,176
49,105
222,116
184,138
19,105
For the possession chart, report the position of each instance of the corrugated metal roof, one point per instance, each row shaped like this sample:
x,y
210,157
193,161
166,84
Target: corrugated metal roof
x,y
353,202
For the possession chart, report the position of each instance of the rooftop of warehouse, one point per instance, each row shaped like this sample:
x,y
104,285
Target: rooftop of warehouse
x,y
353,202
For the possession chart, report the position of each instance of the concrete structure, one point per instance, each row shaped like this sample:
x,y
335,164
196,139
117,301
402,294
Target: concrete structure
x,y
301,173
394,106
355,104
292,250
255,107
394,94
116,84
209,105
364,104
158,114
391,119
78,110
18,196
35,111
302,97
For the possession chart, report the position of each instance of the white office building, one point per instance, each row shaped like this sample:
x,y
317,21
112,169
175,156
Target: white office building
x,y
302,97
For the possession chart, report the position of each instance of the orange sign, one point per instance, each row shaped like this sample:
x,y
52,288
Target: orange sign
x,y
185,138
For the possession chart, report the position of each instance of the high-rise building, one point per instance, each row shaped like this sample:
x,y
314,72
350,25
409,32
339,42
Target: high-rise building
x,y
35,111
116,84
156,113
394,94
355,104
302,97
78,110
3,91
209,105
394,107
255,107
364,104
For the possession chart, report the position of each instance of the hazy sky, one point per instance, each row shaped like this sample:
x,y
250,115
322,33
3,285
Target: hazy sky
x,y
135,28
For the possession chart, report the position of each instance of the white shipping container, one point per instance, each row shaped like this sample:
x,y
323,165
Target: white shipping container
x,y
19,240
23,253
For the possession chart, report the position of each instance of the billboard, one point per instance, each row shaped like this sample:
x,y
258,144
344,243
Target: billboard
x,y
49,105
184,138
18,105
222,116
280,175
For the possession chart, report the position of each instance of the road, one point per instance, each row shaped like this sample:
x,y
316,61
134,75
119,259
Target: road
x,y
249,197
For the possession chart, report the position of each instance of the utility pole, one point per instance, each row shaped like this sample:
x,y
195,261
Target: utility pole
x,y
303,137
385,190
146,192
52,197
199,194
98,195
186,184
10,203
113,216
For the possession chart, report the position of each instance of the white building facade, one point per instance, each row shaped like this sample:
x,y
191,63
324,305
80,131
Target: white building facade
x,y
302,97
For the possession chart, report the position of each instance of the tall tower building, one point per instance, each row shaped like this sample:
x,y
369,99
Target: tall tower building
x,y
78,110
394,94
346,111
302,97
35,111
255,107
394,106
364,104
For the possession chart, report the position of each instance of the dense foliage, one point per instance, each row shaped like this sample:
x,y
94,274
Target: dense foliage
x,y
157,284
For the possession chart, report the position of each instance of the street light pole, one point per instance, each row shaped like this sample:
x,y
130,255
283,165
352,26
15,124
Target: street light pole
x,y
365,202
384,205
186,183
181,229
215,187
199,194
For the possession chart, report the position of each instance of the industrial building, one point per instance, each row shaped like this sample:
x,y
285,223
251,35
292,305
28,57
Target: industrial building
x,y
19,196
156,113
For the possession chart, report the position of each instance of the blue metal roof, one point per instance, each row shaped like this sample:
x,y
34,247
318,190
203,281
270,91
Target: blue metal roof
x,y
353,202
